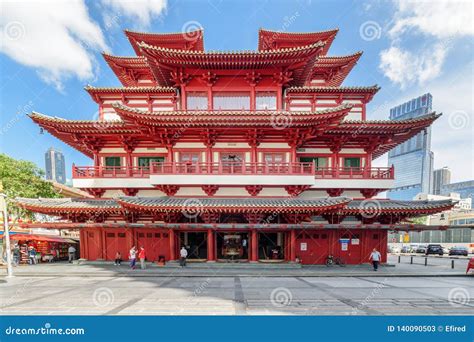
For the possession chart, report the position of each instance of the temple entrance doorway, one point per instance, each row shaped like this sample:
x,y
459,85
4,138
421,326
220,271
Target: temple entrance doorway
x,y
271,247
232,247
196,245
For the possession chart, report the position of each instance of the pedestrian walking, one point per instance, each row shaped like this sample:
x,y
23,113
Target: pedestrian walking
x,y
16,255
141,256
72,253
375,257
32,255
118,259
183,253
133,257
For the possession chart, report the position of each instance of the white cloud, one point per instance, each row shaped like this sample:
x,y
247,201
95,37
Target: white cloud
x,y
404,67
56,38
441,20
140,11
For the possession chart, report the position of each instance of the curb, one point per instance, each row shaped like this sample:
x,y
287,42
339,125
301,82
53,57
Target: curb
x,y
207,275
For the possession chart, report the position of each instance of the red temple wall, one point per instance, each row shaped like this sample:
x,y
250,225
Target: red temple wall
x,y
311,246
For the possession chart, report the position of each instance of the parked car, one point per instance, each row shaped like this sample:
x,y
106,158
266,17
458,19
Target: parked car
x,y
458,250
395,249
434,249
445,250
406,249
421,249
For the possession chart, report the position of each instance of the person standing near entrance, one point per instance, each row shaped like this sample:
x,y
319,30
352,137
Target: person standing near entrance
x,y
141,256
183,253
16,255
133,257
72,253
244,247
32,255
375,257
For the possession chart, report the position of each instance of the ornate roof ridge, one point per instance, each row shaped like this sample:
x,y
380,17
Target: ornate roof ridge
x,y
432,115
158,34
352,55
131,58
118,105
335,30
130,88
374,87
45,117
241,52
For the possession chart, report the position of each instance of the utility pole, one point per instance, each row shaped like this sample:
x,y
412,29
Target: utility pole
x,y
6,231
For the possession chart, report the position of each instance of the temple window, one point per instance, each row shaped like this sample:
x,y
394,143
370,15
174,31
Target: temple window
x,y
274,158
266,100
197,100
112,161
351,162
231,100
146,161
192,157
319,162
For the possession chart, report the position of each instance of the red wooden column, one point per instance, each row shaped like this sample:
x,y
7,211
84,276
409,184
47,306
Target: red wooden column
x,y
172,245
254,246
292,245
210,245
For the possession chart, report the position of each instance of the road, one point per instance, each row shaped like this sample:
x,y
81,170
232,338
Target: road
x,y
121,295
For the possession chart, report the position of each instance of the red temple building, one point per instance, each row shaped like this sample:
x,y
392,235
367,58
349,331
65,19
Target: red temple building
x,y
245,156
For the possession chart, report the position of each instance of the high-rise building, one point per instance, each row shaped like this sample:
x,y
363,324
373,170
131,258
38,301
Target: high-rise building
x,y
464,189
441,177
55,165
413,159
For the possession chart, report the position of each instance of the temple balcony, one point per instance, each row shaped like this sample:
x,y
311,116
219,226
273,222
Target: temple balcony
x,y
234,174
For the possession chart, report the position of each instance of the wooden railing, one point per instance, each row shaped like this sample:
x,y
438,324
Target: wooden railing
x,y
233,168
355,172
110,172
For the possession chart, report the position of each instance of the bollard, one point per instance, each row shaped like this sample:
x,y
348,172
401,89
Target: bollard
x,y
426,261
399,258
452,263
411,259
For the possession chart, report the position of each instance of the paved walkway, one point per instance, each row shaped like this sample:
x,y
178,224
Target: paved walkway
x,y
435,267
105,295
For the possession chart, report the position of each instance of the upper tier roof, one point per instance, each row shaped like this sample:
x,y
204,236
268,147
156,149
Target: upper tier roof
x,y
321,129
192,40
298,60
130,69
231,118
334,69
271,40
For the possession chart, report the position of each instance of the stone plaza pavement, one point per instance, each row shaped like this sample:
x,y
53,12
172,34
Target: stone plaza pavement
x,y
65,289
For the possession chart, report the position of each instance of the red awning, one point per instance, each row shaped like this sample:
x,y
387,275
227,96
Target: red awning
x,y
31,237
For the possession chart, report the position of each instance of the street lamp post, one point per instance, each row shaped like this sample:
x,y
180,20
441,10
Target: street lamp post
x,y
6,234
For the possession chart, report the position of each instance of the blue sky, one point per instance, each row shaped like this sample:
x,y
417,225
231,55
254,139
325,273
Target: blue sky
x,y
49,52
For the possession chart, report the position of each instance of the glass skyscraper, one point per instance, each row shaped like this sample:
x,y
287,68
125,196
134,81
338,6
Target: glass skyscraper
x,y
413,160
55,166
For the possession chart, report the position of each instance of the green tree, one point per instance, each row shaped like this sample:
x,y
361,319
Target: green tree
x,y
21,178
